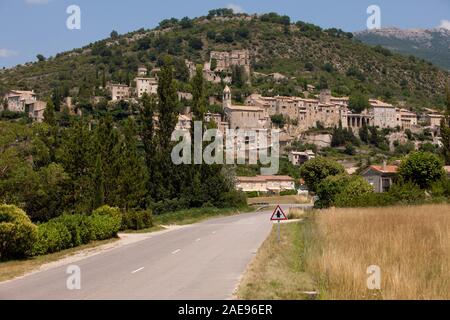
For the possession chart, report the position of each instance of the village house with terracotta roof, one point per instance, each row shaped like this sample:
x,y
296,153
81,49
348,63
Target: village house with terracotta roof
x,y
380,177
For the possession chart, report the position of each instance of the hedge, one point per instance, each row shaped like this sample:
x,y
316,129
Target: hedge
x,y
137,220
69,231
105,223
17,233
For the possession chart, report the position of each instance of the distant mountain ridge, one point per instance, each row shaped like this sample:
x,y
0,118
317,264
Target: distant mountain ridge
x,y
429,44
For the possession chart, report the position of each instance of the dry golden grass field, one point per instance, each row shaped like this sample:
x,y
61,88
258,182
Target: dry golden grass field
x,y
334,248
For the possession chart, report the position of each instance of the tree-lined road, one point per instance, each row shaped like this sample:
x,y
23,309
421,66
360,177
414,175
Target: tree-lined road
x,y
200,261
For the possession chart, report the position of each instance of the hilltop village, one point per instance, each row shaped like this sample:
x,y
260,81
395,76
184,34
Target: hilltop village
x,y
296,117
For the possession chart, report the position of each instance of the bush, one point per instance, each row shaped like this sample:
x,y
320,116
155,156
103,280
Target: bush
x,y
441,188
329,188
105,223
17,233
233,199
422,169
316,170
406,193
79,227
137,220
356,188
53,236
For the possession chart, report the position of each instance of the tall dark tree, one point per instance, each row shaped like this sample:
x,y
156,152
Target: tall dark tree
x,y
358,102
364,133
99,195
49,114
198,95
167,111
78,155
108,147
148,137
131,175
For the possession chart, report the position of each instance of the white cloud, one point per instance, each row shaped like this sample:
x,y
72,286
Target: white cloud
x,y
38,2
236,8
6,53
445,24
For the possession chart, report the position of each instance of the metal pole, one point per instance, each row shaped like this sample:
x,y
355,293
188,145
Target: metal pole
x,y
279,231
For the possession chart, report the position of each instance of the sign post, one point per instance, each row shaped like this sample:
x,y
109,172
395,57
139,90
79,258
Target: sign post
x,y
278,215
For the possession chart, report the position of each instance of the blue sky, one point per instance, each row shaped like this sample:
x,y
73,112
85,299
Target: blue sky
x,y
30,27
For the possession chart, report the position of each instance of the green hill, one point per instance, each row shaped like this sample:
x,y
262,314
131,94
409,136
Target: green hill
x,y
305,53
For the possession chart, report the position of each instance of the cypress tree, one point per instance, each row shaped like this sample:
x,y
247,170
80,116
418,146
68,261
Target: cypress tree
x,y
148,137
99,195
131,175
108,148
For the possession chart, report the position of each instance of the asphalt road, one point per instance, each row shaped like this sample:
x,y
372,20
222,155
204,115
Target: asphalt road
x,y
197,262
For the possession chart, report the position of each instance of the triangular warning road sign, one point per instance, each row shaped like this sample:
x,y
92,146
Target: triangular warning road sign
x,y
278,215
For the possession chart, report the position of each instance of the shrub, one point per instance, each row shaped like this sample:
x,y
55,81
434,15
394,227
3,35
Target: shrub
x,y
329,188
105,223
233,199
422,169
137,220
406,193
441,188
79,227
316,170
356,188
53,236
17,233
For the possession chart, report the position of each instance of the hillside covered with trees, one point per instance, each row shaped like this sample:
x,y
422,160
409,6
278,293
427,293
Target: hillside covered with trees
x,y
304,53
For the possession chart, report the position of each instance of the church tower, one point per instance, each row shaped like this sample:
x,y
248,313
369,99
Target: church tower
x,y
226,97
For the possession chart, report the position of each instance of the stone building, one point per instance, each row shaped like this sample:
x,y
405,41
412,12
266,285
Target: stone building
x,y
243,117
407,118
17,100
119,91
298,158
146,85
226,60
36,110
306,112
384,114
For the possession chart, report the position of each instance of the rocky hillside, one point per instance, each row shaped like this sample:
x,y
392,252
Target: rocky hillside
x,y
305,53
432,45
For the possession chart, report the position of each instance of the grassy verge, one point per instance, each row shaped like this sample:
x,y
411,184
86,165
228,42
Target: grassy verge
x,y
189,216
277,271
16,268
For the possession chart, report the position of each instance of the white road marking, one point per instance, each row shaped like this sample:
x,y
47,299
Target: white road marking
x,y
198,240
136,271
214,232
176,251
